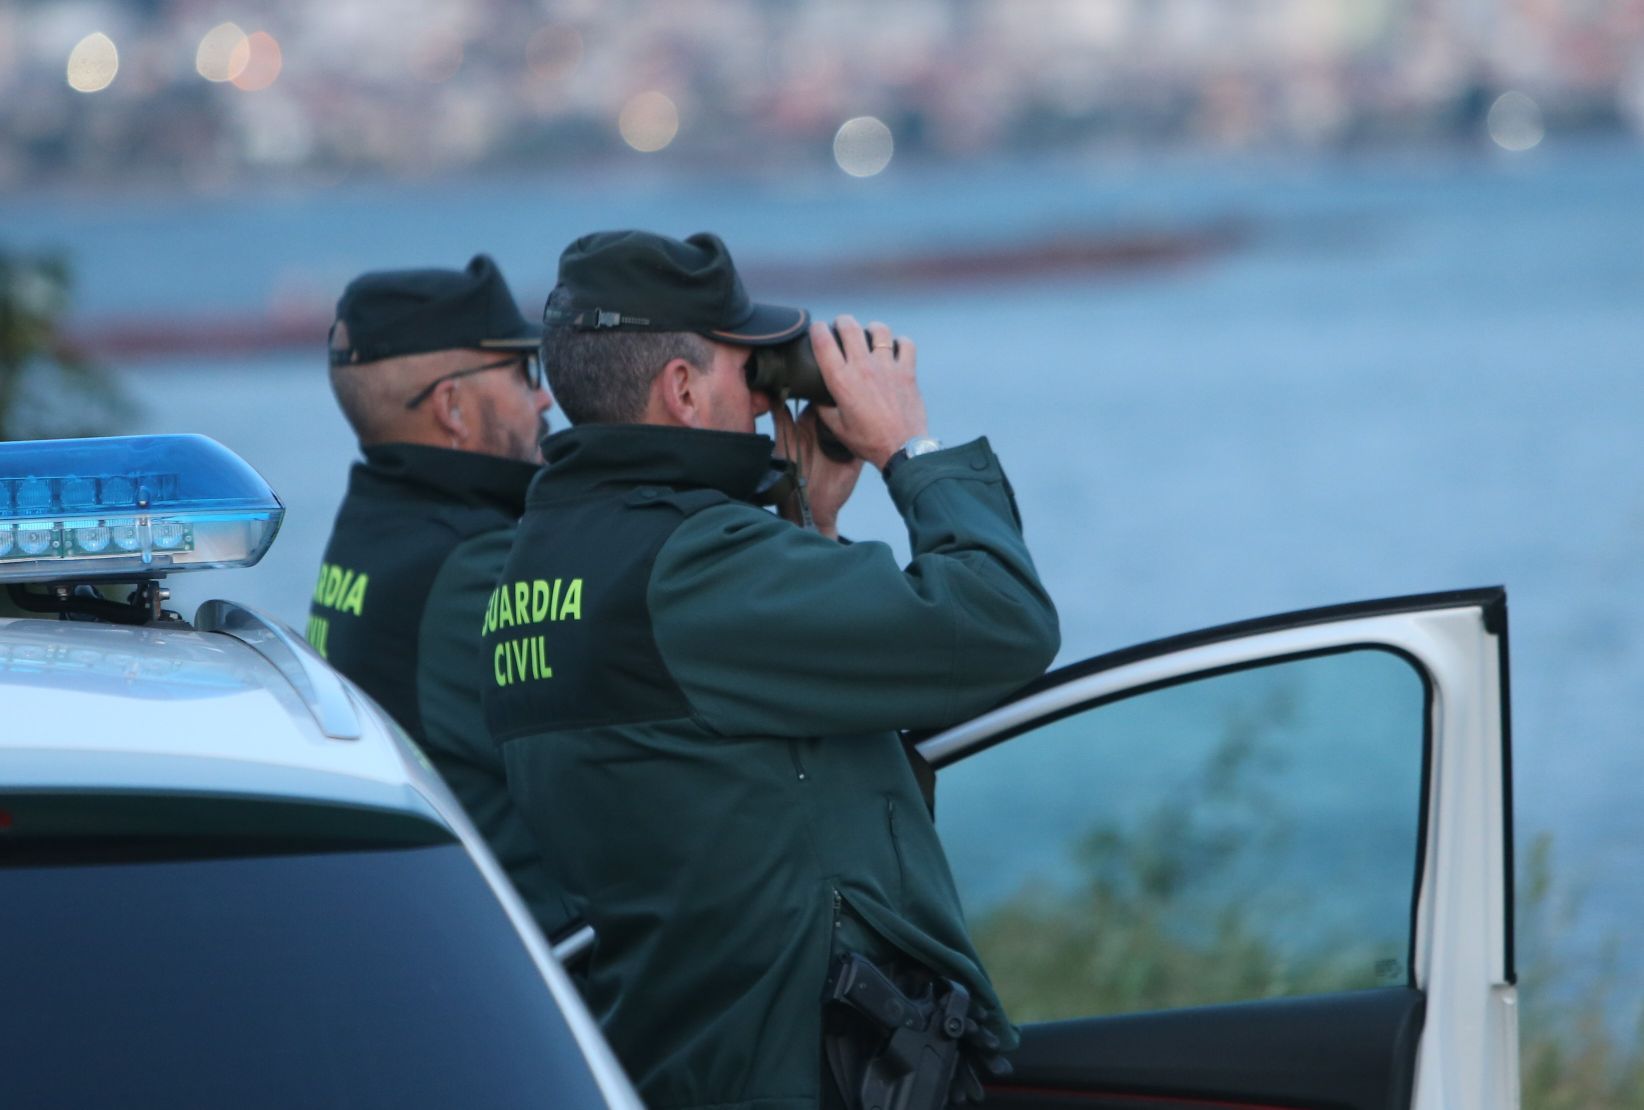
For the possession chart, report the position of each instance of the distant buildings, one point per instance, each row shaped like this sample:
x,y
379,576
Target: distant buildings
x,y
212,91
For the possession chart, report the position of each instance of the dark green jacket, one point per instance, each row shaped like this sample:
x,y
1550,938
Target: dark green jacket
x,y
416,549
696,703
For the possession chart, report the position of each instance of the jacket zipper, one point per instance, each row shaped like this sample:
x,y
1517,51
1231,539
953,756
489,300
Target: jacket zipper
x,y
798,765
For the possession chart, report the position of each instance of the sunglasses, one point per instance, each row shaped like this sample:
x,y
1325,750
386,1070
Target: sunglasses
x,y
529,368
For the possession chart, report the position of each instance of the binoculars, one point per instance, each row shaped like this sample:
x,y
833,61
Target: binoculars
x,y
790,370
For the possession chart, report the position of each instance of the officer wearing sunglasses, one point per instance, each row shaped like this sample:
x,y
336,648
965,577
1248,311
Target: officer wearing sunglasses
x,y
437,373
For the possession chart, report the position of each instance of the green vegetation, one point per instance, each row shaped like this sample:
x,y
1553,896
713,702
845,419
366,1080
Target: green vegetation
x,y
1139,935
1573,1056
47,389
1152,927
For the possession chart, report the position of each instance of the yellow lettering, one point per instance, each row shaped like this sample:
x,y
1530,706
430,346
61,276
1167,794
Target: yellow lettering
x,y
520,660
341,589
553,605
571,608
355,600
539,600
505,615
318,627
522,602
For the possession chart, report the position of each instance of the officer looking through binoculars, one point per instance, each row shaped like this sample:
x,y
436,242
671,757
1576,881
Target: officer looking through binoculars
x,y
700,725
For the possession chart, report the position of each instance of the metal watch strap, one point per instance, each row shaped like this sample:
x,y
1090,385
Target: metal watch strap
x,y
918,445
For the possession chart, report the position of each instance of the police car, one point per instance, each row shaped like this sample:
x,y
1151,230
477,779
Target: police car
x,y
1266,864
228,878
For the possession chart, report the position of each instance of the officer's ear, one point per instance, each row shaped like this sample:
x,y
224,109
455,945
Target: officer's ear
x,y
676,396
443,406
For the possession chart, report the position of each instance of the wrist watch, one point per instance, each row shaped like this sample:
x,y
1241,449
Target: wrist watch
x,y
913,448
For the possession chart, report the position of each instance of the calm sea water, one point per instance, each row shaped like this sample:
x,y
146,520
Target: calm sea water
x,y
1420,373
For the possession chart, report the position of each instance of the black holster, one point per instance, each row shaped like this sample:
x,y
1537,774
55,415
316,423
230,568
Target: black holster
x,y
890,1049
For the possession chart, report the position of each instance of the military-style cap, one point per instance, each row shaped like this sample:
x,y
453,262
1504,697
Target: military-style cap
x,y
640,281
388,313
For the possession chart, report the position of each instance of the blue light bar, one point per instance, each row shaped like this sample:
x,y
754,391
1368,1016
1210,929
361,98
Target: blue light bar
x,y
129,507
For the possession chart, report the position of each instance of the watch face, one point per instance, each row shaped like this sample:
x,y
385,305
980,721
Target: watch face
x,y
922,445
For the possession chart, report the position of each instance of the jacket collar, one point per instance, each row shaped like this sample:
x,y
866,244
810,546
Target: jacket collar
x,y
467,477
591,455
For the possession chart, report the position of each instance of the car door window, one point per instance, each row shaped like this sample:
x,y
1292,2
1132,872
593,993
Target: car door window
x,y
1244,834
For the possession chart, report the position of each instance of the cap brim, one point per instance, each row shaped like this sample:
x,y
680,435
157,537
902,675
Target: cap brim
x,y
768,326
527,342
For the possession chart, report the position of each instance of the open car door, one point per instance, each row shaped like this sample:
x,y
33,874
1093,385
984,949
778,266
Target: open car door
x,y
1264,865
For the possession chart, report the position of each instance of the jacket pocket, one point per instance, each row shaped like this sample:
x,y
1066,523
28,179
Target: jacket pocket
x,y
894,833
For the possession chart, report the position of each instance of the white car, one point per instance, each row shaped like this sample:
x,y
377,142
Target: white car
x,y
229,880
1264,865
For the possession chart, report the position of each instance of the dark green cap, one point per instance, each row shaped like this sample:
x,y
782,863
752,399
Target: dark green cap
x,y
389,313
640,281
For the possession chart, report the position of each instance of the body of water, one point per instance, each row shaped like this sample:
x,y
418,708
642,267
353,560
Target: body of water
x,y
1417,374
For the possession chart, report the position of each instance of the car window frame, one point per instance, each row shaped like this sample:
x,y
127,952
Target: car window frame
x,y
1464,959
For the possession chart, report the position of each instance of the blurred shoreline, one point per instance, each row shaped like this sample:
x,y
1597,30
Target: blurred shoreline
x,y
150,336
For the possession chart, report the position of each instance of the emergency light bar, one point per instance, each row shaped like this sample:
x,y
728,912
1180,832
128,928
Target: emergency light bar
x,y
129,507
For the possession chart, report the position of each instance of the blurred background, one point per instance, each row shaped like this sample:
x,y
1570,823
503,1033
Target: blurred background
x,y
1266,304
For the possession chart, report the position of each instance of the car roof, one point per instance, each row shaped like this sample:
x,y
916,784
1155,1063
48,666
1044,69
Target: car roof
x,y
109,707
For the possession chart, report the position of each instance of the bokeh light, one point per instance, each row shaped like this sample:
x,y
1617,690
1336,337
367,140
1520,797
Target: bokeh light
x,y
554,52
1515,122
93,63
263,62
223,53
863,146
649,122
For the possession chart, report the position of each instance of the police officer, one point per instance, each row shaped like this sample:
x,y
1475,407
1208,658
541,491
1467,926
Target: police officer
x,y
697,701
436,371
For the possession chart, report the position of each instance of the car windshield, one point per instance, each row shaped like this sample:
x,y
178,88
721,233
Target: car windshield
x,y
236,972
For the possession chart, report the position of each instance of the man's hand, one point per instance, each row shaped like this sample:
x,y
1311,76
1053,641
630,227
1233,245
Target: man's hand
x,y
870,375
828,484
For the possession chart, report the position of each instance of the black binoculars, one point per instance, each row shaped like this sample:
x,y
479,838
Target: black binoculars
x,y
789,370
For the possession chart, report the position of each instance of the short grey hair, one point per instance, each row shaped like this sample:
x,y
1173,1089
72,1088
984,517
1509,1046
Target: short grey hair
x,y
372,395
604,377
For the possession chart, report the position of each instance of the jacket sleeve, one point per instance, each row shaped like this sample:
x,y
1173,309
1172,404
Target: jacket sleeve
x,y
450,659
451,670
773,630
